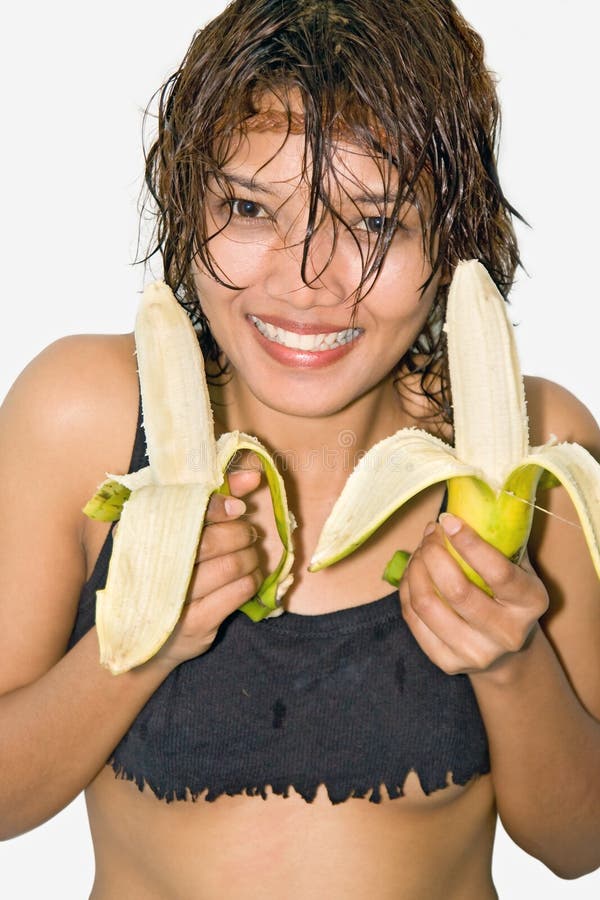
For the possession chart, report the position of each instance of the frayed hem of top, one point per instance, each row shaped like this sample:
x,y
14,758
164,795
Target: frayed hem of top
x,y
375,790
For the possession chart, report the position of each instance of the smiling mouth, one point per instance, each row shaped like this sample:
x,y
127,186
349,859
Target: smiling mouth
x,y
312,342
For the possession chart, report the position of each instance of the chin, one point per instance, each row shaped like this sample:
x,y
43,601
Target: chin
x,y
302,407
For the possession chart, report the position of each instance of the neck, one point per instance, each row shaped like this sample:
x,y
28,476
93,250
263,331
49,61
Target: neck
x,y
319,450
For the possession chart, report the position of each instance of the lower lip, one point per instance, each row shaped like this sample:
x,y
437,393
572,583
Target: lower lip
x,y
306,359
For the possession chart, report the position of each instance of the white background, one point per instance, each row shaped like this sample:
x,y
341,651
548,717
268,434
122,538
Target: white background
x,y
75,78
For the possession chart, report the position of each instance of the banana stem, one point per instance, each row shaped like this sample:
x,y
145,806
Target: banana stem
x,y
396,567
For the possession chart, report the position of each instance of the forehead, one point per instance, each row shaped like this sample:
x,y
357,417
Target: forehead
x,y
273,145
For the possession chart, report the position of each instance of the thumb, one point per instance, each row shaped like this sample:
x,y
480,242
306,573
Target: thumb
x,y
242,481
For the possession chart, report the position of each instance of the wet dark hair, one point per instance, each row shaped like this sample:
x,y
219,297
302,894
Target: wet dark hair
x,y
403,79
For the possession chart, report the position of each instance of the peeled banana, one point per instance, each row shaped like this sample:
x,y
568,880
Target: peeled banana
x,y
162,506
492,475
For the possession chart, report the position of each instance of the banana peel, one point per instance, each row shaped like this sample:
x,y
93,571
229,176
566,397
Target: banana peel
x,y
492,474
162,506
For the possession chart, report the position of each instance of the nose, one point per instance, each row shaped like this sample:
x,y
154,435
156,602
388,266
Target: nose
x,y
326,281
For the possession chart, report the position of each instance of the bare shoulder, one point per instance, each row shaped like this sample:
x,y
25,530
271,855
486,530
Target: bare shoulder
x,y
69,417
553,410
78,394
70,367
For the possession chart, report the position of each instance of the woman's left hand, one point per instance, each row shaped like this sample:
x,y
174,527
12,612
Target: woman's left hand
x,y
459,626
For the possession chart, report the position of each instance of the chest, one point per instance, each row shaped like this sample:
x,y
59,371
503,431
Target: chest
x,y
346,699
353,581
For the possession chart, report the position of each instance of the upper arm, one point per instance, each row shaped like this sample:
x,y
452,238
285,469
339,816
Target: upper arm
x,y
558,549
57,438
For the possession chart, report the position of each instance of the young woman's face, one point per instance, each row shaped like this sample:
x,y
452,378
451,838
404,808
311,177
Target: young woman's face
x,y
288,341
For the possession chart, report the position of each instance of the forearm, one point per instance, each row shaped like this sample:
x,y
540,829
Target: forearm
x,y
58,732
545,754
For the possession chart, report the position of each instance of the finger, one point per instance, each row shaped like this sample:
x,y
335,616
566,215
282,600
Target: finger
x,y
242,481
525,564
247,459
504,623
504,579
474,648
209,611
430,643
466,599
220,538
224,508
213,574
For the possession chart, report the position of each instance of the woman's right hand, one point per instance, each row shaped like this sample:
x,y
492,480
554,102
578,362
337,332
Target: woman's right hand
x,y
226,573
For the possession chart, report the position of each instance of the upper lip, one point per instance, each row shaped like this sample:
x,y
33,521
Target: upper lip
x,y
303,327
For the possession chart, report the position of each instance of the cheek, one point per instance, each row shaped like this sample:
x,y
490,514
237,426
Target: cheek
x,y
399,290
215,299
238,265
238,262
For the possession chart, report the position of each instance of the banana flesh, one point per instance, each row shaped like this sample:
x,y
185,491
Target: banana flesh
x,y
491,473
162,506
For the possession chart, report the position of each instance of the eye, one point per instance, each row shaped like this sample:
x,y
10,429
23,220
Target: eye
x,y
374,224
247,209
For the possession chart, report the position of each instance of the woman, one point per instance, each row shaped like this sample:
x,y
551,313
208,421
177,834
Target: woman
x,y
346,180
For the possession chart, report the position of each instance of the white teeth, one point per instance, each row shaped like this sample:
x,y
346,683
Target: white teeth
x,y
318,342
305,341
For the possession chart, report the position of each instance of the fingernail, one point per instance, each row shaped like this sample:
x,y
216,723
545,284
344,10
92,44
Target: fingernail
x,y
450,523
429,529
234,506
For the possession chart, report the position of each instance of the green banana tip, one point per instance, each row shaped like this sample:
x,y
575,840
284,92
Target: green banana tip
x,y
396,567
107,503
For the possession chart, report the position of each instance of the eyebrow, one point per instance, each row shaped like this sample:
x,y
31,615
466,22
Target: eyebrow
x,y
262,187
372,198
249,183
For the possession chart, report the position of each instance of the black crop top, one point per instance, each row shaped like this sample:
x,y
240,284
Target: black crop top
x,y
346,698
